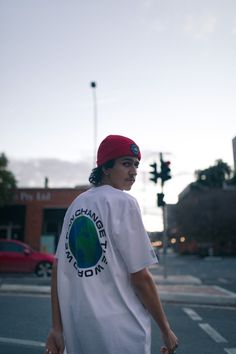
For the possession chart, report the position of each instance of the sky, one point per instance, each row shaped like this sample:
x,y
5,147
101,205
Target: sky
x,y
165,74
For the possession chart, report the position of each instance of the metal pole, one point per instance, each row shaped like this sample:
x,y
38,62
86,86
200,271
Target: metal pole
x,y
164,229
93,86
164,243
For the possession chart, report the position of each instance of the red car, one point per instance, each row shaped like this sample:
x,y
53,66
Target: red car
x,y
17,257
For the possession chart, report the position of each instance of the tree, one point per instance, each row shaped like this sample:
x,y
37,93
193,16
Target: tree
x,y
214,176
232,181
7,181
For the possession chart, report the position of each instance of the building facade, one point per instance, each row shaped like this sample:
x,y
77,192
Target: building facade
x,y
234,153
36,215
206,217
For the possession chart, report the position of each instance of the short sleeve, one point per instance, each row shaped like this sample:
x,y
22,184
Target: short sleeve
x,y
132,239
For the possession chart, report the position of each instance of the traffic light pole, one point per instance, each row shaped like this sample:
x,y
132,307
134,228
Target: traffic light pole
x,y
164,176
164,242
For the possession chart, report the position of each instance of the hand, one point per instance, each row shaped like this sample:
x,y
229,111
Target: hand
x,y
171,343
55,343
164,350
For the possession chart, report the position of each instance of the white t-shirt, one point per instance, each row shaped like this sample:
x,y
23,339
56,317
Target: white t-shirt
x,y
103,240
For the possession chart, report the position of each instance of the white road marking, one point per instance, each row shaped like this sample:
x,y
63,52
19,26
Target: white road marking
x,y
230,350
223,280
31,343
216,336
24,295
223,290
192,314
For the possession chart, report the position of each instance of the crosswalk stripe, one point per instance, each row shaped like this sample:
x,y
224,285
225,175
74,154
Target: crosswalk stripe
x,y
216,336
223,280
22,342
192,314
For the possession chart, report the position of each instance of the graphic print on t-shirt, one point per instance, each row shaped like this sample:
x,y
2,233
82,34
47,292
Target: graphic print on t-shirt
x,y
86,243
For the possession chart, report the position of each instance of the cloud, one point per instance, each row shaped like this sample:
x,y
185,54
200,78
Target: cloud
x,y
158,26
147,4
234,27
32,172
200,27
159,18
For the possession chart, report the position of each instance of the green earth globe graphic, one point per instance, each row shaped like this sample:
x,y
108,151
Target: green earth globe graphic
x,y
84,242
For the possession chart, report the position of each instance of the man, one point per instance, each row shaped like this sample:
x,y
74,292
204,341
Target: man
x,y
102,291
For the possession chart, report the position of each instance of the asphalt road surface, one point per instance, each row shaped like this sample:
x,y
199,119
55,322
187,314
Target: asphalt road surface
x,y
26,318
25,321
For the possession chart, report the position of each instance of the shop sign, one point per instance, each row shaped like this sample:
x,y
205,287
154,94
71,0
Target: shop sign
x,y
30,197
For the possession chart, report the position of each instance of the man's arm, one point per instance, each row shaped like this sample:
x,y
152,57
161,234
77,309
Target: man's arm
x,y
56,313
146,291
55,340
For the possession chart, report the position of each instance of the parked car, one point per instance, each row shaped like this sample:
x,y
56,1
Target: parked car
x,y
17,257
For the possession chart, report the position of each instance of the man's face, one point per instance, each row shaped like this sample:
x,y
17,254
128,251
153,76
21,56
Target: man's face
x,y
122,175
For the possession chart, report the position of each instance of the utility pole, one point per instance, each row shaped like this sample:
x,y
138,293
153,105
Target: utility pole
x,y
93,86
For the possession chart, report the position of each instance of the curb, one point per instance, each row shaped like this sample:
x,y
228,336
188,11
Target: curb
x,y
176,293
26,289
176,279
189,289
203,295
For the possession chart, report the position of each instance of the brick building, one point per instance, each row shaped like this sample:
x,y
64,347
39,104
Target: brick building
x,y
36,215
207,218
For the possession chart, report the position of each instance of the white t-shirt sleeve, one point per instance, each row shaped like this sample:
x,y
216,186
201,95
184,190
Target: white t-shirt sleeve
x,y
132,239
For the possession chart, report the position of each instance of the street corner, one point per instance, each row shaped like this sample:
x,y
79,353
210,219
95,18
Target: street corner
x,y
197,294
177,279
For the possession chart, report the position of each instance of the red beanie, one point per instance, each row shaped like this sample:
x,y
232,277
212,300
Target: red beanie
x,y
115,146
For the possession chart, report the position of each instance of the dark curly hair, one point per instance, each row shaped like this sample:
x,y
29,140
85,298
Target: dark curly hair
x,y
95,177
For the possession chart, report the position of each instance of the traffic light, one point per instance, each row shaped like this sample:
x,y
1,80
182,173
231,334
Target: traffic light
x,y
93,84
165,171
160,199
154,174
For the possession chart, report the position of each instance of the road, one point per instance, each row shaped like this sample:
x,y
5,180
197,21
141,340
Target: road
x,y
200,329
25,318
24,324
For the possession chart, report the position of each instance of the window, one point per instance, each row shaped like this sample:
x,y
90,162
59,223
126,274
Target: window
x,y
11,247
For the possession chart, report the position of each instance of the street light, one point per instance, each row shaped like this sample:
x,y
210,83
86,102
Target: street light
x,y
93,85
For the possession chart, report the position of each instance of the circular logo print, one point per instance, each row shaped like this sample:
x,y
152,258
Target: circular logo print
x,y
84,242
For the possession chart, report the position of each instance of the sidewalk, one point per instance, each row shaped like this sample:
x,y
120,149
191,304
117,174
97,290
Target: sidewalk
x,y
189,289
178,289
172,288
